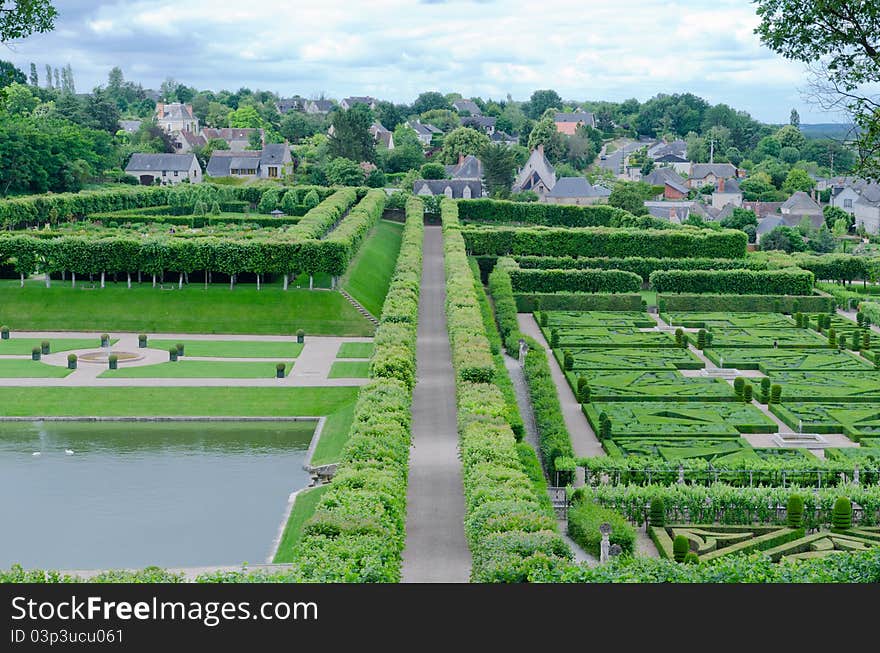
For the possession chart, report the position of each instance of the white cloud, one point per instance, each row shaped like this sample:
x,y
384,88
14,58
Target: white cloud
x,y
601,49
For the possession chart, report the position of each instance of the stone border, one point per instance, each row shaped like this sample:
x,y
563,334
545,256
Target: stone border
x,y
291,501
313,444
164,418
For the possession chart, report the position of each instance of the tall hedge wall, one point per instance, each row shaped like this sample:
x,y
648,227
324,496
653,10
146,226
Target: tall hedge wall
x,y
603,241
642,266
588,281
834,267
553,215
570,301
734,282
747,303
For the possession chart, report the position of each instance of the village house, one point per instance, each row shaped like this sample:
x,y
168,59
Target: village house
x,y
274,161
350,102
319,107
130,126
674,187
708,174
468,167
576,191
185,141
485,124
537,175
164,169
424,132
867,209
567,123
238,139
726,193
176,117
286,105
468,106
382,135
453,188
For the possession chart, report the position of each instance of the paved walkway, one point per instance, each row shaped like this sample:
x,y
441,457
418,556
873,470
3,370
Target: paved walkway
x,y
311,367
524,401
436,550
583,439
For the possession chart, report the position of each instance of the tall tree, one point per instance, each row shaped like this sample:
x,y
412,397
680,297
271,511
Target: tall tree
x,y
9,74
795,119
21,18
351,137
499,165
49,76
541,101
842,42
428,101
545,133
57,79
462,140
34,77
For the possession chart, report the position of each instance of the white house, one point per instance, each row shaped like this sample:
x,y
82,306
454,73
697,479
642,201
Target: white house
x,y
176,117
726,192
274,161
164,168
867,209
424,132
845,198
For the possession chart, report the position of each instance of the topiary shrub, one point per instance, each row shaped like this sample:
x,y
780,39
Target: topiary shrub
x,y
657,512
701,339
215,208
709,338
765,390
856,340
179,348
866,341
748,393
583,390
172,354
142,340
113,361
71,361
661,305
775,393
554,339
795,511
680,548
832,338
799,319
545,319
860,318
679,337
691,558
568,360
777,306
45,347
841,515
105,340
35,353
739,384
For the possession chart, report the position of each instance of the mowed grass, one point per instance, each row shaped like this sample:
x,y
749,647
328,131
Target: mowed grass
x,y
355,350
333,436
349,370
369,276
232,348
194,309
185,369
29,369
175,402
303,508
23,346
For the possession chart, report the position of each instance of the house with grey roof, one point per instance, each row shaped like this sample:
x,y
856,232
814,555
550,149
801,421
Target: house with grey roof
x,y
423,131
727,192
537,175
501,137
674,187
567,123
274,161
286,105
484,124
867,209
677,148
768,224
350,102
452,188
575,191
238,139
468,106
164,169
130,126
185,141
705,174
800,204
176,117
319,107
382,135
468,167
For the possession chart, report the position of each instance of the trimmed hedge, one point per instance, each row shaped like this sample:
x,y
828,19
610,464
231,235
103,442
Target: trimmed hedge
x,y
358,531
733,282
584,519
531,302
834,267
642,266
553,215
587,281
746,303
685,242
870,310
341,244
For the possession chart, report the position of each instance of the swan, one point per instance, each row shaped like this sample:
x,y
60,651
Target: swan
x,y
68,452
37,453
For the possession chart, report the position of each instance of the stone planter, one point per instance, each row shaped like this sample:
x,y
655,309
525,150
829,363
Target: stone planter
x,y
71,362
113,362
172,354
44,347
300,336
105,340
142,341
279,370
35,354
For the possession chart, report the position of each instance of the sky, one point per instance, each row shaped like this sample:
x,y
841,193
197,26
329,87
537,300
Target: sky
x,y
395,49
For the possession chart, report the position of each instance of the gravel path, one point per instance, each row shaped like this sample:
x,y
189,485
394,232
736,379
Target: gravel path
x,y
436,550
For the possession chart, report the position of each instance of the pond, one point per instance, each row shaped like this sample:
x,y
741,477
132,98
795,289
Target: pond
x,y
104,495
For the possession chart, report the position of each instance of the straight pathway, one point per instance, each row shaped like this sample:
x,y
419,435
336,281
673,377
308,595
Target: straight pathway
x,y
436,550
583,438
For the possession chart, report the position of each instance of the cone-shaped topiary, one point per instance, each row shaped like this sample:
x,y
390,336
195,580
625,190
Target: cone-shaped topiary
x,y
691,558
866,341
583,390
679,337
765,390
657,512
545,319
856,340
860,318
775,393
701,339
795,511
748,393
738,384
832,338
568,360
841,516
554,339
680,548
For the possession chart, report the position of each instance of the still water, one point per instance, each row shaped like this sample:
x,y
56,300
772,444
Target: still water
x,y
133,494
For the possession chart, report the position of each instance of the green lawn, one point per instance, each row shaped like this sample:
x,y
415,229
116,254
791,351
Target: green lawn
x,y
233,348
175,402
23,346
185,369
370,274
303,509
191,310
349,370
333,437
355,350
28,369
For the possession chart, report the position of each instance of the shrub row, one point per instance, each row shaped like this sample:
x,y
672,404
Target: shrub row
x,y
553,215
531,302
341,244
584,519
194,221
554,437
871,310
506,524
845,299
471,355
321,219
602,241
746,303
358,530
834,267
578,281
733,282
642,266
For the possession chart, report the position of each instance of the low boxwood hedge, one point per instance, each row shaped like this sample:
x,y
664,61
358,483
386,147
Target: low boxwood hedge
x,y
584,519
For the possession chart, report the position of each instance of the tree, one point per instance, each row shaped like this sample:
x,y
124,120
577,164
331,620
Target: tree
x,y
798,180
783,238
462,140
842,42
433,171
834,213
344,172
296,126
790,136
351,137
739,219
545,133
795,119
9,74
34,77
631,196
428,101
541,101
21,18
49,76
821,241
499,165
789,154
390,115
245,117
407,154
443,119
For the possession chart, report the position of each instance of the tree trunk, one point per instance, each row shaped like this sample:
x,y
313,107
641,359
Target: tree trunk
x,y
64,275
73,279
139,276
207,276
48,280
154,281
311,282
22,280
231,281
258,282
180,282
128,279
102,280
286,281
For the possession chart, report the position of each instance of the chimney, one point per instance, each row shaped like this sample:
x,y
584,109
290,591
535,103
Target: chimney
x,y
460,158
160,109
189,110
540,149
721,185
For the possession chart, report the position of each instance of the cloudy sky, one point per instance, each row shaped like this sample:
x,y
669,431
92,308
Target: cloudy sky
x,y
394,49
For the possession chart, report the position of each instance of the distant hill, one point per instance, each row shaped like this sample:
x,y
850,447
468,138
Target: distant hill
x,y
828,130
